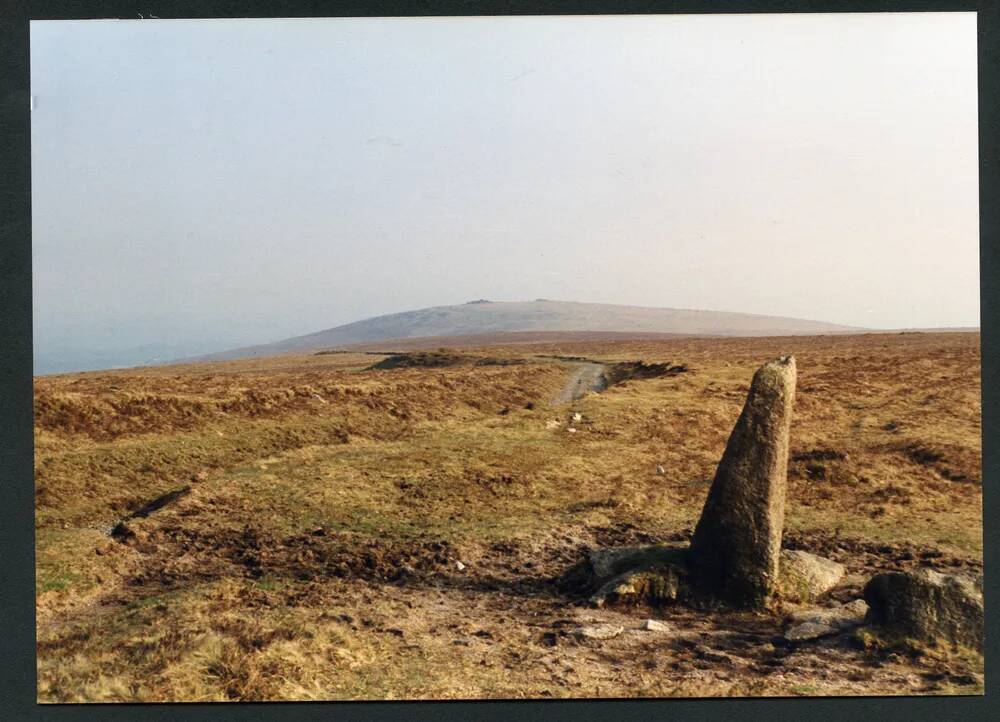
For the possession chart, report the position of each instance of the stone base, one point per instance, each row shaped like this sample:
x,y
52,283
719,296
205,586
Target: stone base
x,y
652,575
658,575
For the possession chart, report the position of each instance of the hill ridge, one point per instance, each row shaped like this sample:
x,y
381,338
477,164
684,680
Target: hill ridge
x,y
481,317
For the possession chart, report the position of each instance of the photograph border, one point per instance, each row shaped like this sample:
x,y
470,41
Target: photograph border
x,y
17,560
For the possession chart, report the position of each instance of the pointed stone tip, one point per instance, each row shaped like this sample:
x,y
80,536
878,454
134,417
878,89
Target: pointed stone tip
x,y
779,372
782,361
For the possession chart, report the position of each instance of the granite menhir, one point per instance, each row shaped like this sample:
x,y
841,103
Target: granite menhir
x,y
736,545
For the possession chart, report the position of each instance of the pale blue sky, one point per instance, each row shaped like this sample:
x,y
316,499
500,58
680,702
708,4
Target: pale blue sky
x,y
199,185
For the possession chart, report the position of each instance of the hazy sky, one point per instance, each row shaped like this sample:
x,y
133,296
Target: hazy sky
x,y
198,185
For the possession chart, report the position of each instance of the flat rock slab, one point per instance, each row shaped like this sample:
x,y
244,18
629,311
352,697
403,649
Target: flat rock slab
x,y
659,575
854,611
607,563
599,631
808,624
632,575
804,577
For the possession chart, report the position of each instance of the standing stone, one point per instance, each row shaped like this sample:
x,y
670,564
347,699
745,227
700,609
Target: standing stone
x,y
736,545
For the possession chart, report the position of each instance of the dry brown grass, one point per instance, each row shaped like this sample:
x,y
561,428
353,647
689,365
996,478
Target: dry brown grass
x,y
315,555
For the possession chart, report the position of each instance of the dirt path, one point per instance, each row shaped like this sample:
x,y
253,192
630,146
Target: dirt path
x,y
586,378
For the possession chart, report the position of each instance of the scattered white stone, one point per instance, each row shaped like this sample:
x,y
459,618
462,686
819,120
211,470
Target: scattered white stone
x,y
660,471
599,631
459,566
578,417
653,625
553,424
571,430
319,398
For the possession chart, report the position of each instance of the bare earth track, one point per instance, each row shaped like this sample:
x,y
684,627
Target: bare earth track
x,y
586,378
310,527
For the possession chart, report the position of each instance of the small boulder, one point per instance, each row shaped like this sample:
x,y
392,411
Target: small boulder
x,y
660,471
928,606
803,577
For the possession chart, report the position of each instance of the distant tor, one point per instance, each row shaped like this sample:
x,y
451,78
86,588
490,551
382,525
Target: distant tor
x,y
483,318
